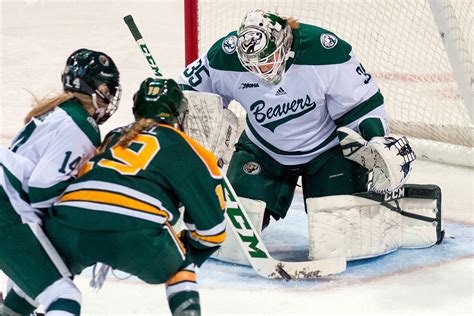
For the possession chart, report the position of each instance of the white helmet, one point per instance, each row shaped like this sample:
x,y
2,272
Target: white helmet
x,y
264,43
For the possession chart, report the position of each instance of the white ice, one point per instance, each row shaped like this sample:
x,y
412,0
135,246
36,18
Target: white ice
x,y
37,36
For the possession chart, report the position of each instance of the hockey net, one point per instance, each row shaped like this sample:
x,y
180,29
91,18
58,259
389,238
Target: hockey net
x,y
420,52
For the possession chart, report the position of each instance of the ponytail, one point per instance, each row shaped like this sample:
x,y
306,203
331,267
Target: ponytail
x,y
44,105
134,130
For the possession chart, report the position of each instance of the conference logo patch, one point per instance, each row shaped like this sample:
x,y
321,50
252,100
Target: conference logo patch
x,y
328,40
252,168
229,44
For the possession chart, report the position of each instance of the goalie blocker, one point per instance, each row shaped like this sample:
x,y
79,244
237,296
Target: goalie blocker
x,y
368,224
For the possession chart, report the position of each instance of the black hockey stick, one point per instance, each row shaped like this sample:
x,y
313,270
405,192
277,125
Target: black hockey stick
x,y
237,218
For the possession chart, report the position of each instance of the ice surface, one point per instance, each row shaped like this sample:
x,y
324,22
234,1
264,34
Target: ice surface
x,y
37,36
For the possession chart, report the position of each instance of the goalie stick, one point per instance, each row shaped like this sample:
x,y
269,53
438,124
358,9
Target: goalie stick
x,y
249,238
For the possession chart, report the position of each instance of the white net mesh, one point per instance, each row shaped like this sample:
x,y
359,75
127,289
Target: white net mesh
x,y
398,42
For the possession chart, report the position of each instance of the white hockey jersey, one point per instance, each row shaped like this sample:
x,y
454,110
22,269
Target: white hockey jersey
x,y
37,167
324,87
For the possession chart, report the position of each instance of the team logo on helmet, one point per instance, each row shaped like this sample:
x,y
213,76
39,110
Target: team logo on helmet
x,y
252,40
252,168
229,44
328,40
103,60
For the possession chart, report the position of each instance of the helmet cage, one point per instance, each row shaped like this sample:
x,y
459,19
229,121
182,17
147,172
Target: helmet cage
x,y
275,62
108,103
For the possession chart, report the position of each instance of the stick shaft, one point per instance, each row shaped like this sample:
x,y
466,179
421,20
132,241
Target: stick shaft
x,y
132,26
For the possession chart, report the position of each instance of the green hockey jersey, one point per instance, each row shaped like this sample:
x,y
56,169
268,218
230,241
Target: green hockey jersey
x,y
144,185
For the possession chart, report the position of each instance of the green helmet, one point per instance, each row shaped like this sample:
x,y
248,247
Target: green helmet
x,y
161,100
264,44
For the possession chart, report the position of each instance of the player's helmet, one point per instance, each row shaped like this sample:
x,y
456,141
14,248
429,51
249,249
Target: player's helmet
x,y
264,44
161,100
95,74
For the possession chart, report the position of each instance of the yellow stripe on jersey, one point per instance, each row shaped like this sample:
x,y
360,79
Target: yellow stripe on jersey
x,y
86,168
182,276
220,196
217,239
113,199
176,238
206,156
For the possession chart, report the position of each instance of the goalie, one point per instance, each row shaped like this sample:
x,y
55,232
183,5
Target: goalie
x,y
313,112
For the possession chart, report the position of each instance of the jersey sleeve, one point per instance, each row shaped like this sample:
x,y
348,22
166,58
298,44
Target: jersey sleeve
x,y
197,182
204,216
353,97
53,171
196,76
209,73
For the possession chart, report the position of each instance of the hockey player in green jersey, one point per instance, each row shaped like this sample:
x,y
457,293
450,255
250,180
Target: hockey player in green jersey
x,y
303,91
121,209
34,171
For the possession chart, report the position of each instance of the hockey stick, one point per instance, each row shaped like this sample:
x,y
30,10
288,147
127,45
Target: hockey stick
x,y
141,43
249,238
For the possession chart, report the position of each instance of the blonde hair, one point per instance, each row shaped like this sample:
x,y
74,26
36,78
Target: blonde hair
x,y
46,104
293,23
136,128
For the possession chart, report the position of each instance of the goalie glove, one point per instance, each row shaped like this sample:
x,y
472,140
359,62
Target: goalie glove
x,y
195,253
388,158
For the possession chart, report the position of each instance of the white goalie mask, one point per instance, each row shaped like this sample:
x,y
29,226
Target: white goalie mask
x,y
264,44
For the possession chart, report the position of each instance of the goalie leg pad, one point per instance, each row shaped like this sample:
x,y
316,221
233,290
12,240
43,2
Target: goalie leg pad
x,y
230,250
369,224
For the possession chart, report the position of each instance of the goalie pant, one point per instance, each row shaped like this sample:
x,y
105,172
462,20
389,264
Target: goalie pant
x,y
257,176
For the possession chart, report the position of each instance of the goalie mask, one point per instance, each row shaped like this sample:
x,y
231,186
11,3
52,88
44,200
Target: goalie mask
x,y
264,44
161,100
95,74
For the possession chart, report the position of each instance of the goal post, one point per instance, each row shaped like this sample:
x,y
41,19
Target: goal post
x,y
419,51
457,50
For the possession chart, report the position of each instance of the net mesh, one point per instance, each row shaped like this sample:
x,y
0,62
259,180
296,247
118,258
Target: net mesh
x,y
397,41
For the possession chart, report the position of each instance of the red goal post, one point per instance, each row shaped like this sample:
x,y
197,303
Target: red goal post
x,y
419,51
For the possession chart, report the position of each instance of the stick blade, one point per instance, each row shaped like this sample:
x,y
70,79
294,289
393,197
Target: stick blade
x,y
305,270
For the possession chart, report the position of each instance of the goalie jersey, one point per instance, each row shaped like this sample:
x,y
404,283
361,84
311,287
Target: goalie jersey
x,y
144,184
38,166
324,87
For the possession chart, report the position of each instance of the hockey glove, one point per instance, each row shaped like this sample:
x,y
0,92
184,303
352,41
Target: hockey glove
x,y
388,158
196,253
